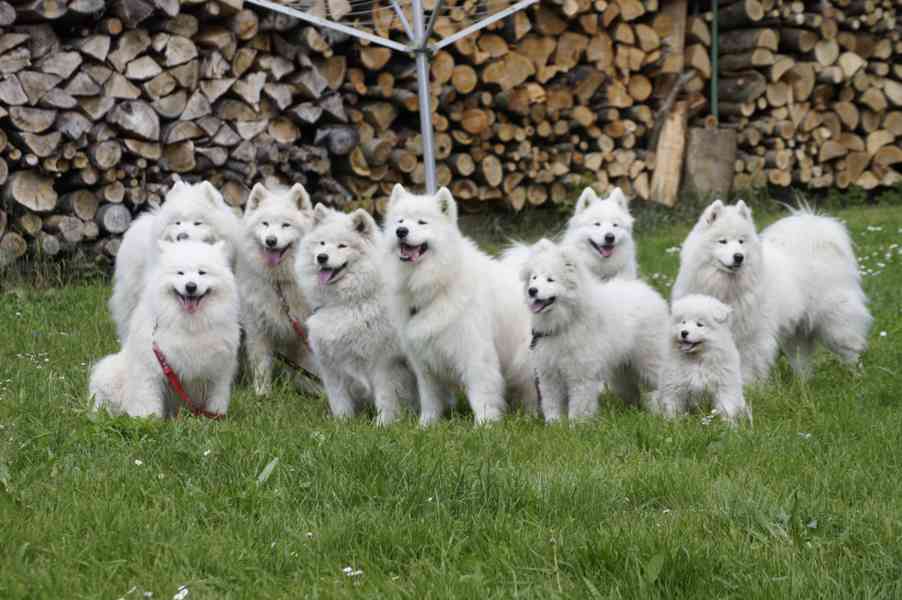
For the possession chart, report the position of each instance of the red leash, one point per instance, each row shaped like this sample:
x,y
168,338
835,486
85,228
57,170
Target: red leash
x,y
176,386
295,324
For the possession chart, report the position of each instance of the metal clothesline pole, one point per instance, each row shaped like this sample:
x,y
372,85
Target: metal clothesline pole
x,y
422,57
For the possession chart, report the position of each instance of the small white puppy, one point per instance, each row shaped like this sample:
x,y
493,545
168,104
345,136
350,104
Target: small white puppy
x,y
704,362
602,231
355,342
587,333
189,312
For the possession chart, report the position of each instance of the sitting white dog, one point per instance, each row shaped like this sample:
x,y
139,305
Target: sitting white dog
x,y
189,212
459,314
602,231
704,362
355,342
587,333
188,318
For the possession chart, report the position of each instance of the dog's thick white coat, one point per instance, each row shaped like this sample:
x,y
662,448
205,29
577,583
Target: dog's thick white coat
x,y
354,339
703,363
275,222
602,231
793,285
587,333
189,212
459,312
199,338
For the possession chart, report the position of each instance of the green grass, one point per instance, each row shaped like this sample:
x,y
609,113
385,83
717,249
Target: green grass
x,y
807,503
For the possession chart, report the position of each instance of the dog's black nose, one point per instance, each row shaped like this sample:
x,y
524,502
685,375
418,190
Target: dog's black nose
x,y
684,334
737,258
322,258
532,292
401,232
271,241
190,287
181,237
609,238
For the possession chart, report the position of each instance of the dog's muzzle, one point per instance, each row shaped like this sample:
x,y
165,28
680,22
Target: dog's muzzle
x,y
408,252
537,305
606,249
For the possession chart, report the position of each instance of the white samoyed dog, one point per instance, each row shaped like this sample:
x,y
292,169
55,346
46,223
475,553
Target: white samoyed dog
x,y
795,284
273,308
189,212
588,334
189,312
703,364
602,231
459,314
355,342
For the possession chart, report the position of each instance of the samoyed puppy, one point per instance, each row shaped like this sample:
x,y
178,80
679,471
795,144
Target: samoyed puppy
x,y
587,334
703,363
458,311
602,231
189,312
794,285
190,212
273,309
355,342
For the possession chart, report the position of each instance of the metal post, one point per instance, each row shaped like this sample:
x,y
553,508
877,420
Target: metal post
x,y
422,57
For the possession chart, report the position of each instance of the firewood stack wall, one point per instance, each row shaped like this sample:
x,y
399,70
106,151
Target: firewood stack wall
x,y
101,103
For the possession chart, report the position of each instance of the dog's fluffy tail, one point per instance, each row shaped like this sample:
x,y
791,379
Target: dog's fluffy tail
x,y
107,383
807,233
515,255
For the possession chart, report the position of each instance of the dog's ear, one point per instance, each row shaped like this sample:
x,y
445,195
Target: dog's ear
x,y
364,224
320,213
211,194
723,313
619,198
585,200
258,193
300,197
744,210
712,212
543,245
570,257
446,204
397,193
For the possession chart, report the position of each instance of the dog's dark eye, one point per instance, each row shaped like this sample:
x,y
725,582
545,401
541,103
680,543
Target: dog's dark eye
x,y
322,243
286,225
700,324
197,223
180,273
721,241
178,222
597,224
741,241
550,280
201,273
616,225
421,222
342,246
265,223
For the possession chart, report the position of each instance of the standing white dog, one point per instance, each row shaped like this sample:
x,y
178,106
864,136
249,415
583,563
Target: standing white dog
x,y
190,212
460,316
704,362
602,231
273,308
352,336
795,284
188,312
587,333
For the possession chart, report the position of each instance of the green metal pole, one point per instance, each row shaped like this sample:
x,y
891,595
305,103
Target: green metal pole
x,y
715,51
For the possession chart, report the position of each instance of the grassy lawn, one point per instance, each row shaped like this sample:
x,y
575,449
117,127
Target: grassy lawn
x,y
280,501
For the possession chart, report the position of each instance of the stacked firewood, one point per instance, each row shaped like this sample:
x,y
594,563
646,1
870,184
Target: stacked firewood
x,y
815,90
103,103
562,95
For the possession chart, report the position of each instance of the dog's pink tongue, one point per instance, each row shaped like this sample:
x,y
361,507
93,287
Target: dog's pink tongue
x,y
324,276
607,251
411,252
536,306
273,257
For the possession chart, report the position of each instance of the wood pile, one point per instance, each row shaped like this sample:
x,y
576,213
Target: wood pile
x,y
814,90
563,95
102,103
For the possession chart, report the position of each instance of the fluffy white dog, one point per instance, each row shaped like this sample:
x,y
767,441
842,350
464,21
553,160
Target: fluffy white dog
x,y
460,316
602,231
189,212
588,333
273,308
704,361
795,284
189,312
352,336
